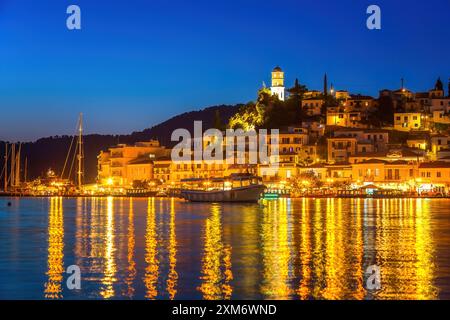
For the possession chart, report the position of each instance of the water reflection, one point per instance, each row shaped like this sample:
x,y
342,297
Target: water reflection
x,y
216,261
55,264
405,250
131,264
285,249
173,275
275,251
151,260
109,275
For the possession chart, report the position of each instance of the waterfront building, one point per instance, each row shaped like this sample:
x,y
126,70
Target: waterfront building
x,y
115,169
383,172
339,173
434,176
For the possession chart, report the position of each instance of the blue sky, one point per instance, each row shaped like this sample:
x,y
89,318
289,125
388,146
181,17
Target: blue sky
x,y
138,62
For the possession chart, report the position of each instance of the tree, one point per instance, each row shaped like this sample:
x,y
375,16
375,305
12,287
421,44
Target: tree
x,y
385,111
217,123
297,90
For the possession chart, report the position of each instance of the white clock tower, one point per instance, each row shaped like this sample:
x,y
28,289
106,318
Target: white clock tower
x,y
277,87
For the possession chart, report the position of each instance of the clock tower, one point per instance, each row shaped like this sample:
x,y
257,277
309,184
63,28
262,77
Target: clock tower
x,y
277,87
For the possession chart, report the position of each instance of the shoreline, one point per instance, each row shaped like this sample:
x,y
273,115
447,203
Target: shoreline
x,y
9,195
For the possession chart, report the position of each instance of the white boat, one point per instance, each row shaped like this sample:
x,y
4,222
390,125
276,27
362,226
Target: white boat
x,y
236,188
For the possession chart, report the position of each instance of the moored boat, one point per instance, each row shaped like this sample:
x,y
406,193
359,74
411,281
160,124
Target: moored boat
x,y
235,188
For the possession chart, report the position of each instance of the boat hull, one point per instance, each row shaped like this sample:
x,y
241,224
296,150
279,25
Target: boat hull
x,y
244,194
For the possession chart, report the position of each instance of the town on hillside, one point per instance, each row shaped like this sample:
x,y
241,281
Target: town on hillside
x,y
398,142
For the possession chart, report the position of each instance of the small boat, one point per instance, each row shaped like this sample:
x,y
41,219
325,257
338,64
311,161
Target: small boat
x,y
235,188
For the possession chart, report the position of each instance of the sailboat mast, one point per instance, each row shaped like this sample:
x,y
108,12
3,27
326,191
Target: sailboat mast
x,y
80,151
25,171
6,167
17,174
13,163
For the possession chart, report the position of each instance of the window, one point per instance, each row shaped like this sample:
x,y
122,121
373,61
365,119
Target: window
x,y
389,174
438,174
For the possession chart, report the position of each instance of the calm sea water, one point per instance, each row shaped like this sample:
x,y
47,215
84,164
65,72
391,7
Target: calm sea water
x,y
170,249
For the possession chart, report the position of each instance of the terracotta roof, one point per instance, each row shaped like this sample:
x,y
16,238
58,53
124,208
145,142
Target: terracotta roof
x,y
435,164
371,161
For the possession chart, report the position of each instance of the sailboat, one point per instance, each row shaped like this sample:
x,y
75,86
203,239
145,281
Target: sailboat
x,y
51,184
11,175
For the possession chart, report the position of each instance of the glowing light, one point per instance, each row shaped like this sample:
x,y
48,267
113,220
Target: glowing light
x,y
53,286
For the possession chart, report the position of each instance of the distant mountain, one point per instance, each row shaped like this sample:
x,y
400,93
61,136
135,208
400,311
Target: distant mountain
x,y
51,152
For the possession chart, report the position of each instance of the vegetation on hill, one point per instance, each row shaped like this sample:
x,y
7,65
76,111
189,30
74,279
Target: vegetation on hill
x,y
269,112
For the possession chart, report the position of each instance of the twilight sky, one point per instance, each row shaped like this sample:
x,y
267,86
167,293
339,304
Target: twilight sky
x,y
138,62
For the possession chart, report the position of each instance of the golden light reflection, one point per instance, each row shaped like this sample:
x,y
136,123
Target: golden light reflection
x,y
275,251
131,265
358,261
305,252
173,275
109,276
318,248
53,286
151,259
407,269
335,259
216,261
247,253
